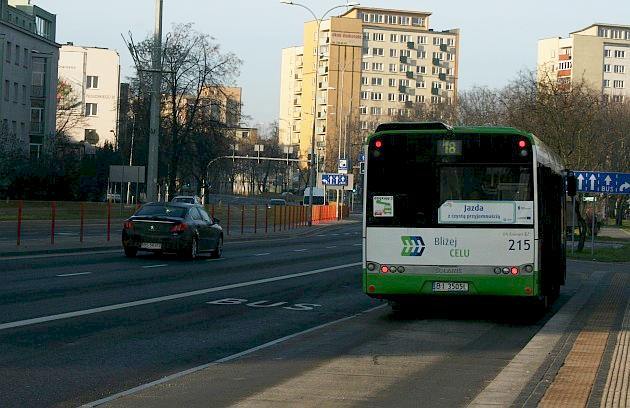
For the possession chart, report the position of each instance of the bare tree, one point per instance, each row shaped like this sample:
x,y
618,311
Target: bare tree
x,y
69,108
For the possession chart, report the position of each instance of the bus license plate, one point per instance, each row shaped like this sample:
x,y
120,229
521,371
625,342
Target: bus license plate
x,y
450,286
150,245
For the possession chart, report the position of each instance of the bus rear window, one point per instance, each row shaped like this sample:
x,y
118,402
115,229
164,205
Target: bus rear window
x,y
411,176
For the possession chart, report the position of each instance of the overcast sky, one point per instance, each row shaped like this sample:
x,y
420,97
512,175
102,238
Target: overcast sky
x,y
498,37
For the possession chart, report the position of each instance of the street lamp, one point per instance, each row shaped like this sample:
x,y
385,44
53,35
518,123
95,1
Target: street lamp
x,y
319,20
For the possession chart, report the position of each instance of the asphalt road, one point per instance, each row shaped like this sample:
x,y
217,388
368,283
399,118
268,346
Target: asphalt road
x,y
77,328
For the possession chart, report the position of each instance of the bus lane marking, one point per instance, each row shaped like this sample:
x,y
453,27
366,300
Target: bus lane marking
x,y
264,304
176,296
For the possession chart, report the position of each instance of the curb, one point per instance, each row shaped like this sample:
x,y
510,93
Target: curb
x,y
231,238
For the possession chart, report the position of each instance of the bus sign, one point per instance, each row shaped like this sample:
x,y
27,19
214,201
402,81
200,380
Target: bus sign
x,y
334,179
602,182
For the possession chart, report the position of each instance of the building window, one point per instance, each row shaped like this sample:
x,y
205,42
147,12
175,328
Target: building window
x,y
437,40
450,57
366,50
618,84
377,96
17,54
449,86
365,66
366,17
378,81
421,84
391,97
7,90
365,95
435,99
392,82
402,97
24,95
422,54
377,66
421,69
403,68
16,92
375,110
405,53
366,35
8,52
404,20
420,98
405,38
607,53
422,39
606,67
437,85
393,67
91,109
378,37
619,69
92,82
364,125
26,55
606,83
393,38
417,21
35,150
363,110
403,82
393,52
617,98
378,52
364,80
620,54
392,19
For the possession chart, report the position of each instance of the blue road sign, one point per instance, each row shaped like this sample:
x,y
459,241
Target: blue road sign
x,y
361,157
334,179
602,182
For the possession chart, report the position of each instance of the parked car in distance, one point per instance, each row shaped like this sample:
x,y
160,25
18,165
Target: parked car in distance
x,y
112,197
181,228
276,201
187,199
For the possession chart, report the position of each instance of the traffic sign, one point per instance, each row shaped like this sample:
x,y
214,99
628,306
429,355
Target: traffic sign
x,y
343,166
361,157
602,182
334,179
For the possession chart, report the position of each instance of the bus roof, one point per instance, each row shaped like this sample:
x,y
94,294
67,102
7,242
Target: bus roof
x,y
545,154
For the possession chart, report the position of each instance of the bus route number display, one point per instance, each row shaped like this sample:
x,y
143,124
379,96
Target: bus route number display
x,y
449,147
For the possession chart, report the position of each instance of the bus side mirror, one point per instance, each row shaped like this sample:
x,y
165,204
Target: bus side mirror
x,y
571,184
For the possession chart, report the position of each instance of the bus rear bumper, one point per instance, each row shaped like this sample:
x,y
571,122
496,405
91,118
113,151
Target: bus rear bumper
x,y
391,286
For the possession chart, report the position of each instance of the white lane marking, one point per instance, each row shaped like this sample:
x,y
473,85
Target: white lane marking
x,y
331,246
216,259
63,275
154,266
263,254
346,233
299,250
263,346
357,244
320,235
84,253
60,316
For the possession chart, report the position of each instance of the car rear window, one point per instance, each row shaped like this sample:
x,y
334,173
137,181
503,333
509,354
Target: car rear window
x,y
162,211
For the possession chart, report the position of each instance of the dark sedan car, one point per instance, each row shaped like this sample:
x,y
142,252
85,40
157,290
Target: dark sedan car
x,y
185,229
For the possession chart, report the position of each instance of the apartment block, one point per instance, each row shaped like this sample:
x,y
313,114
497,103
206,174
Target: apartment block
x,y
93,73
370,65
598,54
28,72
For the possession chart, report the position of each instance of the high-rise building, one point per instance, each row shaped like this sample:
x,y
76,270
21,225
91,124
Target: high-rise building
x,y
93,75
599,55
373,65
28,71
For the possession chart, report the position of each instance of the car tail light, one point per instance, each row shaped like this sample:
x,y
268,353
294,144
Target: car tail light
x,y
128,225
179,227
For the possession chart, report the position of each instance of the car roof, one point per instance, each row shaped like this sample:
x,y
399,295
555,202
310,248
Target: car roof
x,y
172,204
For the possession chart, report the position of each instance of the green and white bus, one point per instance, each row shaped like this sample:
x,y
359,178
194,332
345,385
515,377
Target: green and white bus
x,y
462,211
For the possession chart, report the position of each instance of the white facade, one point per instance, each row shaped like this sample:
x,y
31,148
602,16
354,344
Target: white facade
x,y
291,96
28,71
94,75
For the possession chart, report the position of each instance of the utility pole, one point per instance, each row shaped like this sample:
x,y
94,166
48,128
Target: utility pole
x,y
154,132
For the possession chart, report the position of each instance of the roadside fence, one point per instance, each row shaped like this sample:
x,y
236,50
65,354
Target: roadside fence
x,y
51,221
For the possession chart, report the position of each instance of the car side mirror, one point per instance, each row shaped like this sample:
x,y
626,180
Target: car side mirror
x,y
571,184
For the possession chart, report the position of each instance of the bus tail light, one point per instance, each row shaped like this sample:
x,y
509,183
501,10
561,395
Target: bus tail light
x,y
522,144
378,144
371,288
514,270
384,269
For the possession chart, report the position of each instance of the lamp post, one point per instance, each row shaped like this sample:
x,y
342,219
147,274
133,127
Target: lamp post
x,y
319,20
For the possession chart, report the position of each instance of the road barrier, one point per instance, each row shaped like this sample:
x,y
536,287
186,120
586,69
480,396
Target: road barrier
x,y
88,222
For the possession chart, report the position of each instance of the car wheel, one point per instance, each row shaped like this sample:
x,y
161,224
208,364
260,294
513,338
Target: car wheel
x,y
218,251
193,250
130,252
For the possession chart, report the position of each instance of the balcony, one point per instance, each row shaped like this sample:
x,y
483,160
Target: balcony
x,y
409,74
403,88
436,62
442,77
564,73
403,59
443,47
37,127
564,57
411,45
435,91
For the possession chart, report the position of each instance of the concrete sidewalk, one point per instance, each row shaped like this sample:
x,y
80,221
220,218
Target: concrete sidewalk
x,y
579,358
